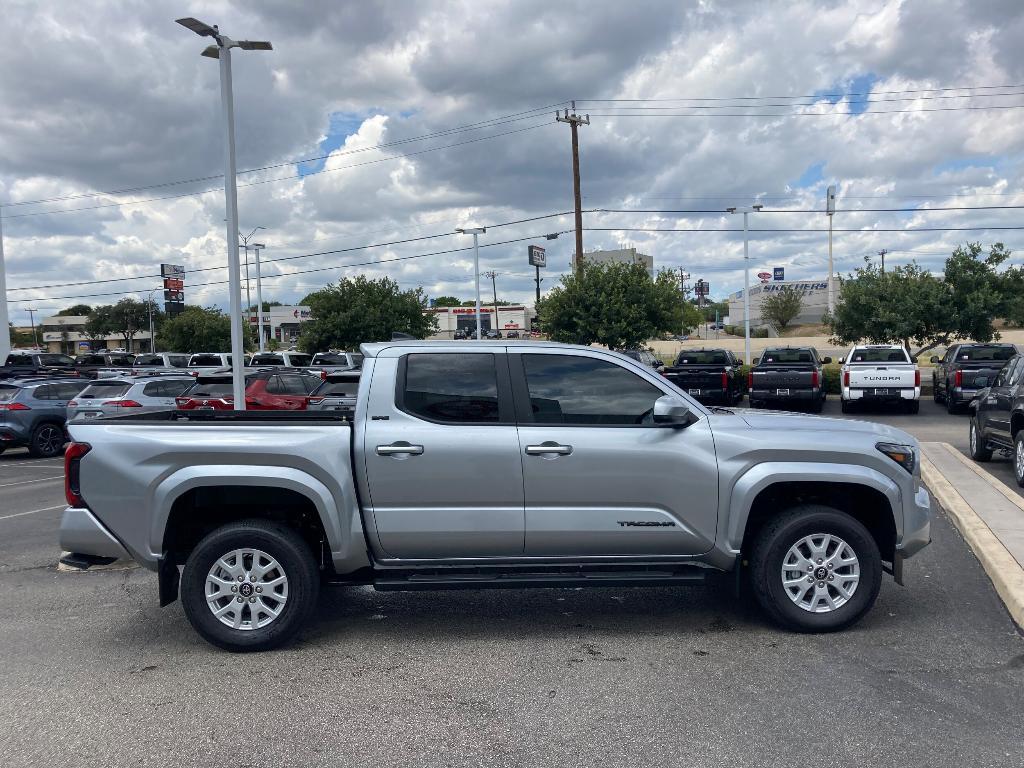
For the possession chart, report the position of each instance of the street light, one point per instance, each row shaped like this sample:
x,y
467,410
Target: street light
x,y
746,277
475,232
246,246
5,332
32,319
152,336
222,52
259,293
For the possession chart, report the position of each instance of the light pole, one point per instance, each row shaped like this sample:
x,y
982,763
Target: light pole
x,y
32,319
222,51
494,286
475,232
5,333
830,209
245,245
149,306
746,278
259,293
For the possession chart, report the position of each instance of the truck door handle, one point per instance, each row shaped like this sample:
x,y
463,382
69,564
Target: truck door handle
x,y
401,447
548,447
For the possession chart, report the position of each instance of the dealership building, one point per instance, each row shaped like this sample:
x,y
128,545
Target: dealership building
x,y
282,324
519,317
621,256
813,295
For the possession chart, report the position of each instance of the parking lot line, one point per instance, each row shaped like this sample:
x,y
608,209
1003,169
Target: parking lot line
x,y
37,480
32,512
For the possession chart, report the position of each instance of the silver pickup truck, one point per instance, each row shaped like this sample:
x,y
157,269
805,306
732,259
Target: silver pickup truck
x,y
472,465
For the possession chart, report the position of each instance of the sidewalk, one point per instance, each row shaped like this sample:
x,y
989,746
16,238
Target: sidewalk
x,y
989,515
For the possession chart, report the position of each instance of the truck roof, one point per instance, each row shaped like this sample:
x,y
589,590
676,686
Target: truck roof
x,y
375,348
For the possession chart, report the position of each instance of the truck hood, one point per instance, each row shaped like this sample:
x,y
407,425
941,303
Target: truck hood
x,y
790,422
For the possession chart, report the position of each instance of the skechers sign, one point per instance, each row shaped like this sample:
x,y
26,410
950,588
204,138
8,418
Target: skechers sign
x,y
801,287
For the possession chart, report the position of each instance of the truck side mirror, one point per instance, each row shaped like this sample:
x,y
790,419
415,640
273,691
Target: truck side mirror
x,y
827,360
672,412
934,358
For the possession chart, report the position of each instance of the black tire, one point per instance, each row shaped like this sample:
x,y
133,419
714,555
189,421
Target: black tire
x,y
774,542
817,406
846,406
296,561
47,441
951,404
979,451
1018,457
935,391
913,406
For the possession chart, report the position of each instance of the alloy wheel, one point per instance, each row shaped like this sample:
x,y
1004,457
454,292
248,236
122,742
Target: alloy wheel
x,y
50,440
974,439
1018,461
820,573
246,589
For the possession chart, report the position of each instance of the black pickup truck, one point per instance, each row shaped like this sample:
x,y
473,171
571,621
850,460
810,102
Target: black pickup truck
x,y
708,375
788,377
21,363
965,369
90,365
998,421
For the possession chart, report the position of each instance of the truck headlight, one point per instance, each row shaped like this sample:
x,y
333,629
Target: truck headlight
x,y
903,455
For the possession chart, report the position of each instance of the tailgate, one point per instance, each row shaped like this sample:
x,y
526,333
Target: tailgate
x,y
886,376
694,377
783,378
979,376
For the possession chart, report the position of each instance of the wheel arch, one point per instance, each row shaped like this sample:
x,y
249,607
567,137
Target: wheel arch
x,y
1016,422
767,490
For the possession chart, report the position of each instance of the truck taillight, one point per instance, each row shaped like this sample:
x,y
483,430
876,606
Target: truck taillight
x,y
958,379
72,473
125,403
814,379
725,380
180,401
846,378
917,377
750,380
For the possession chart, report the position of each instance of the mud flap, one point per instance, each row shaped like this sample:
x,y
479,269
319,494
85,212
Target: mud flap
x,y
896,569
168,579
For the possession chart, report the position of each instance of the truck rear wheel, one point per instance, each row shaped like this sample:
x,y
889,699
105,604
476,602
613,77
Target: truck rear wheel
x,y
979,447
250,585
815,569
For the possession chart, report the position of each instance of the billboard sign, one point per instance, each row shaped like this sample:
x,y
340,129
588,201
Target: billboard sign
x,y
538,257
171,284
177,271
764,277
780,273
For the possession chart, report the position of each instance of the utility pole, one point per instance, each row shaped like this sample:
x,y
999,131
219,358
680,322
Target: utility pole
x,y
575,121
684,291
32,319
152,336
494,287
259,293
882,254
5,334
830,209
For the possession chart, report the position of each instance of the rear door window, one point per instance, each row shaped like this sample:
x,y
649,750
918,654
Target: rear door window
x,y
58,360
7,393
299,361
456,388
104,389
267,360
783,356
986,353
867,355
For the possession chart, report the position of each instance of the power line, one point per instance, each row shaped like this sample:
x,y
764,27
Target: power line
x,y
816,102
284,178
810,229
803,114
819,210
809,96
504,119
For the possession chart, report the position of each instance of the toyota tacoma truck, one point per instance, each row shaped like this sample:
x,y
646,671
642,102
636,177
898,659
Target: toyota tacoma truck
x,y
877,374
708,375
965,370
788,376
471,465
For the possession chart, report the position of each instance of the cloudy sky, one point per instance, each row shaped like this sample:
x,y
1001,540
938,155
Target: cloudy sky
x,y
395,120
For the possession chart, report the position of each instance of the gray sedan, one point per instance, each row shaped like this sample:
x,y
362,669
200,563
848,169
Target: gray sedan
x,y
128,394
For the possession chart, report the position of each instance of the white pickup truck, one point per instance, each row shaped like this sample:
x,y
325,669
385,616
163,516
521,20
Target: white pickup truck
x,y
876,374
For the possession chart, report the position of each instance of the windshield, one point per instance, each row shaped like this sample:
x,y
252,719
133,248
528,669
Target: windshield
x,y
204,360
55,360
149,360
299,361
869,355
219,389
8,393
986,353
772,356
328,358
267,360
703,357
104,389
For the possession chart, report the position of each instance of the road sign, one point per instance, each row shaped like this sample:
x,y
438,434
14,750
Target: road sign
x,y
702,288
174,296
764,277
176,271
171,284
780,273
537,256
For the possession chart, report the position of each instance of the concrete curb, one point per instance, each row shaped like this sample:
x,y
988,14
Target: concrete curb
x,y
1005,572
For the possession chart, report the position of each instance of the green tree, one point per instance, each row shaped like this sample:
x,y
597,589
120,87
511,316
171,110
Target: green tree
x,y
77,309
447,301
781,308
358,310
98,326
910,305
196,329
617,305
19,339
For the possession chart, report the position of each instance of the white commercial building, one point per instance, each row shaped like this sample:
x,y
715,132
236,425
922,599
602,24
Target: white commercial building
x,y
813,296
621,256
519,317
282,323
66,334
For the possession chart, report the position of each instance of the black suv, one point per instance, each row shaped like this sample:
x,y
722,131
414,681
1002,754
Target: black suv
x,y
998,422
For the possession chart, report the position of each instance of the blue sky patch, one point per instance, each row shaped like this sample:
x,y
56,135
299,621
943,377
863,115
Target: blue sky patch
x,y
341,126
861,84
814,174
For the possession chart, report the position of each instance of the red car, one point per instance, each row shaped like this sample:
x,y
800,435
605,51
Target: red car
x,y
264,391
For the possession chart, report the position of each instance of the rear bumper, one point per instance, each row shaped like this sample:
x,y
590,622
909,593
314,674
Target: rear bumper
x,y
917,523
13,434
81,532
795,395
961,395
868,394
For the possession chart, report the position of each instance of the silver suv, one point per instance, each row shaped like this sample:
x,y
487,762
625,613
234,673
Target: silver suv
x,y
111,397
33,412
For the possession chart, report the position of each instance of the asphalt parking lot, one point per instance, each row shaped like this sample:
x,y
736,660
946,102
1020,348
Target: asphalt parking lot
x,y
95,672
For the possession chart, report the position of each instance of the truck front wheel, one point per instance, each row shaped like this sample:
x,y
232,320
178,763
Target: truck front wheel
x,y
250,585
815,569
